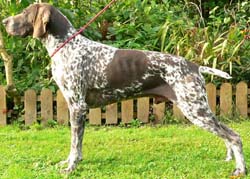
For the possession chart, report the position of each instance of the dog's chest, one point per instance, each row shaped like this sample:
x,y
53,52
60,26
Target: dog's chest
x,y
83,66
60,73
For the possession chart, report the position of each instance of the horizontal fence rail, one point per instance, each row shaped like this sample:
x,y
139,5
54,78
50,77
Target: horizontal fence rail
x,y
227,100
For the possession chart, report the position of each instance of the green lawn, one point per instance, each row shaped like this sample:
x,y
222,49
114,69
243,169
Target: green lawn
x,y
171,152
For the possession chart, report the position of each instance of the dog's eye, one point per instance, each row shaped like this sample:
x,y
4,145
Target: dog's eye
x,y
24,12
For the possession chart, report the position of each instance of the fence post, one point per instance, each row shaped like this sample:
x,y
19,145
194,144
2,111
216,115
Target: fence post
x,y
3,107
46,105
111,114
226,99
62,110
143,109
211,95
241,99
127,111
159,112
95,116
177,112
30,107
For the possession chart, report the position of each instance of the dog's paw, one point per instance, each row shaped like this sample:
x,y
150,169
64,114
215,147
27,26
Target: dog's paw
x,y
238,173
71,162
68,170
62,163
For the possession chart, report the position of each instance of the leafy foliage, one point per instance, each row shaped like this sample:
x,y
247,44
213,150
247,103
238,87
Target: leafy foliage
x,y
31,62
211,33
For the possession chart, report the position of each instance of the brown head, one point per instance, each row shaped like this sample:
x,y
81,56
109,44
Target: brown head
x,y
37,20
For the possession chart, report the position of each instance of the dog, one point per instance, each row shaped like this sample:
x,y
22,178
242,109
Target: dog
x,y
92,74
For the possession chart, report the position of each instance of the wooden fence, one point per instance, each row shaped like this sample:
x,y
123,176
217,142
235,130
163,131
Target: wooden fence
x,y
224,101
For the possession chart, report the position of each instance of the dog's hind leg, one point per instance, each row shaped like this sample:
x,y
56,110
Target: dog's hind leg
x,y
230,153
192,101
233,141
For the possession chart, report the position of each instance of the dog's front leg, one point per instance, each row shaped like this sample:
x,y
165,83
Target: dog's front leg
x,y
77,121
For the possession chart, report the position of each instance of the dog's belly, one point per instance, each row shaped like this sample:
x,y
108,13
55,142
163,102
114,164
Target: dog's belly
x,y
152,86
102,97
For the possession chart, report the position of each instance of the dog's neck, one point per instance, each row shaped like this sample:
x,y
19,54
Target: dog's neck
x,y
59,29
53,40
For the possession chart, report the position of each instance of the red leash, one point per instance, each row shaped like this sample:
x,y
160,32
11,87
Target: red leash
x,y
83,28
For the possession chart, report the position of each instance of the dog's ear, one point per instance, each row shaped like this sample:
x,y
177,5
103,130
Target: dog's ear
x,y
41,21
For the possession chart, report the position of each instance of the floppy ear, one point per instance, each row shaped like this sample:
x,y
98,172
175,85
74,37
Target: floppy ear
x,y
40,24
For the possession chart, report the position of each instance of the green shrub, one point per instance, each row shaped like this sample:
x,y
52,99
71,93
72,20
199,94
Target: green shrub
x,y
211,34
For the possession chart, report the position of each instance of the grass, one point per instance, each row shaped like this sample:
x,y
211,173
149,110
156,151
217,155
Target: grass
x,y
170,152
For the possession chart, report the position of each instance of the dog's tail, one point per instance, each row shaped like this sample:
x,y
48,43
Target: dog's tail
x,y
213,71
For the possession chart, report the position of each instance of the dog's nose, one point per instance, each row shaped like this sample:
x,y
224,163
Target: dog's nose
x,y
5,21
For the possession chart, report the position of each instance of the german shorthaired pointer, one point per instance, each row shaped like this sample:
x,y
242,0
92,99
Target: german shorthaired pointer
x,y
92,74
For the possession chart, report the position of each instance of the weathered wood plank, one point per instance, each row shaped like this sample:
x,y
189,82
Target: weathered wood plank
x,y
127,111
159,112
95,116
111,114
226,99
241,99
177,112
3,107
46,105
211,95
30,107
62,109
143,109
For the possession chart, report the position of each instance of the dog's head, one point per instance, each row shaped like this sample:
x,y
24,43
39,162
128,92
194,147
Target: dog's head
x,y
36,20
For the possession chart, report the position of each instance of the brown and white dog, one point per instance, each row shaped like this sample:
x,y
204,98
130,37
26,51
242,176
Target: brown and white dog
x,y
92,74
